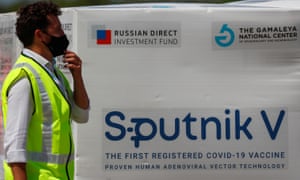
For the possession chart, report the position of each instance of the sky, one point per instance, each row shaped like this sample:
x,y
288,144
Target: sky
x,y
9,2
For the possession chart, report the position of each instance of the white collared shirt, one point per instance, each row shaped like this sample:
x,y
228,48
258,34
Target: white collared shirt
x,y
20,109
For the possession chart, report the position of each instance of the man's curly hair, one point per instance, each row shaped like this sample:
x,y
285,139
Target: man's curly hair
x,y
32,17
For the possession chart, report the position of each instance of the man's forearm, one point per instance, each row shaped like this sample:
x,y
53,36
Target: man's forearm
x,y
80,95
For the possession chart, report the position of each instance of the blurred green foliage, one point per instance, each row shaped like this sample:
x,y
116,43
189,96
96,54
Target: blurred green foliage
x,y
74,3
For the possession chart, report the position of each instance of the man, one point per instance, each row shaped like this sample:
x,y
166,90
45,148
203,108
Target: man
x,y
38,102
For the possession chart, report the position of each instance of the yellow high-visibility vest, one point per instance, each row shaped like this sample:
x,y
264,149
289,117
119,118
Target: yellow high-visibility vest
x,y
50,148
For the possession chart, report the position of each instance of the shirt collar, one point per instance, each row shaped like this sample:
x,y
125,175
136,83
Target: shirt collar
x,y
38,58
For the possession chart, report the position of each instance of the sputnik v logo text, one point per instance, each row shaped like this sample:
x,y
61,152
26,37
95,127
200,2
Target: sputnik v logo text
x,y
226,36
228,125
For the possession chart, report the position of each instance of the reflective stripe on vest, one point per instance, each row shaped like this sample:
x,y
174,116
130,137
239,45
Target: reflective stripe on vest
x,y
49,158
45,155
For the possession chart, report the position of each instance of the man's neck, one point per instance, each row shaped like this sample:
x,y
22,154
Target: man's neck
x,y
44,53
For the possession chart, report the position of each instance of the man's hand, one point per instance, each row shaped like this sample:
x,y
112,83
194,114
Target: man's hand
x,y
18,170
73,62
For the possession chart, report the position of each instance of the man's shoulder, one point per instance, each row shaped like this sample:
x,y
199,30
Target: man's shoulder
x,y
14,77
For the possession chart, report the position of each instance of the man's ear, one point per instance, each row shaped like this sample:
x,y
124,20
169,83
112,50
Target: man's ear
x,y
38,34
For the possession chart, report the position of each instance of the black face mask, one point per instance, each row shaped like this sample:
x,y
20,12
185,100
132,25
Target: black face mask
x,y
58,45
